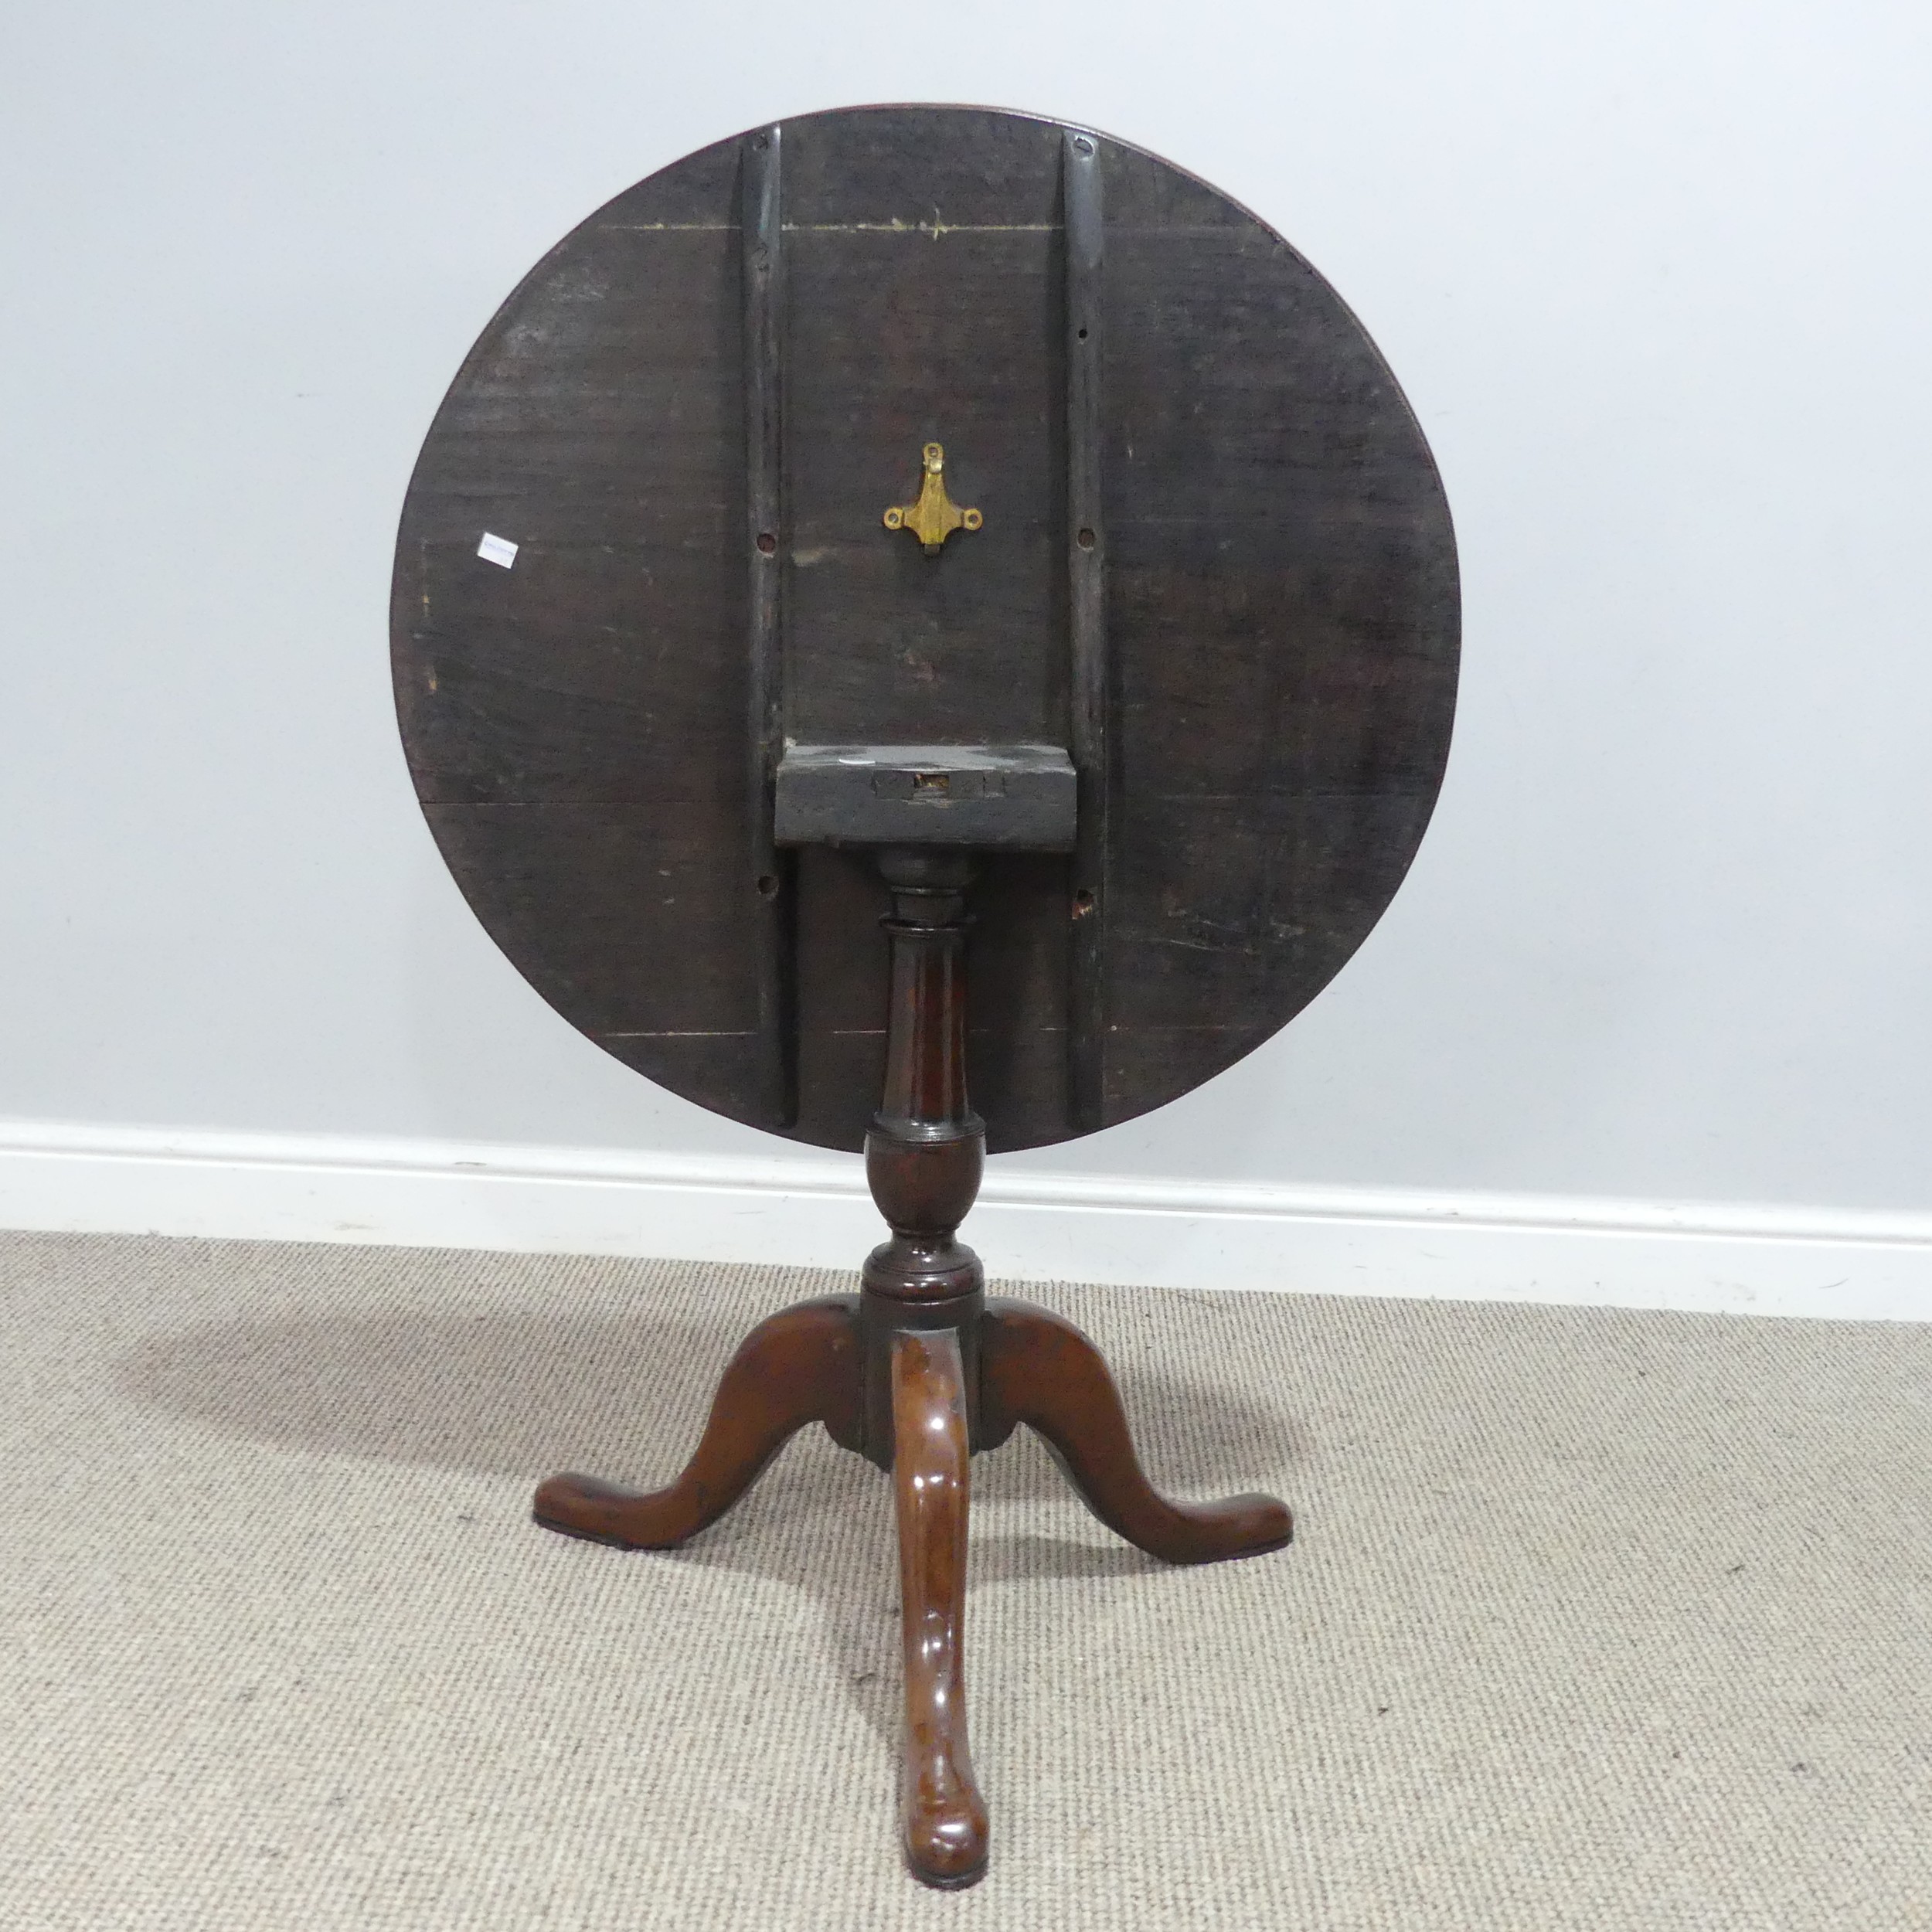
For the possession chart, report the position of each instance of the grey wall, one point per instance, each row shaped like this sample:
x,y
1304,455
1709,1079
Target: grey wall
x,y
1655,277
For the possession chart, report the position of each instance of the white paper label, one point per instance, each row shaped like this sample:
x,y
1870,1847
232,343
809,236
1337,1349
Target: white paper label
x,y
497,549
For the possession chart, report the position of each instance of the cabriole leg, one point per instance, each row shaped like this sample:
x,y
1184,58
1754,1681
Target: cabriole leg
x,y
1038,1370
944,1816
800,1366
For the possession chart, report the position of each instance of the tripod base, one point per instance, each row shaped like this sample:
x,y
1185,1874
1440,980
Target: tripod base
x,y
917,1373
918,1387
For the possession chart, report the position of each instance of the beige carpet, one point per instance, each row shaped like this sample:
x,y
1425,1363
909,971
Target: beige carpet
x,y
1595,1619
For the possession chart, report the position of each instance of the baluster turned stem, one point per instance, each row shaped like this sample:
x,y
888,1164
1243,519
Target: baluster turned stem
x,y
927,1148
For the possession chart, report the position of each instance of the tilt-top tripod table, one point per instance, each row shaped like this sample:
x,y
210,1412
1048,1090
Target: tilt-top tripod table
x,y
944,519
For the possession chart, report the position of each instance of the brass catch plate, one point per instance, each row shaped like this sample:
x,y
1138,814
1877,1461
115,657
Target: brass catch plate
x,y
935,516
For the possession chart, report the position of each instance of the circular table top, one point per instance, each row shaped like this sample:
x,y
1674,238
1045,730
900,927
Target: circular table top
x,y
577,616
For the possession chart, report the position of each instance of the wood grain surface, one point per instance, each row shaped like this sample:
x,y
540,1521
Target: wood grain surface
x,y
1280,611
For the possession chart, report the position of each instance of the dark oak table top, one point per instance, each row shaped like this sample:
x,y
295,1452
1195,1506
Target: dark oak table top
x,y
1272,557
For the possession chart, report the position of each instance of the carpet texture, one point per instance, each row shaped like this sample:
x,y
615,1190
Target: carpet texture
x,y
1594,1619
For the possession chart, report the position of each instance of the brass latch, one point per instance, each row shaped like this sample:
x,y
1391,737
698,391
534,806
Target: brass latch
x,y
935,516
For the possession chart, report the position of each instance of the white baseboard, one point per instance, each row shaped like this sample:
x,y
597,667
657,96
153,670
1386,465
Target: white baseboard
x,y
1029,1225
